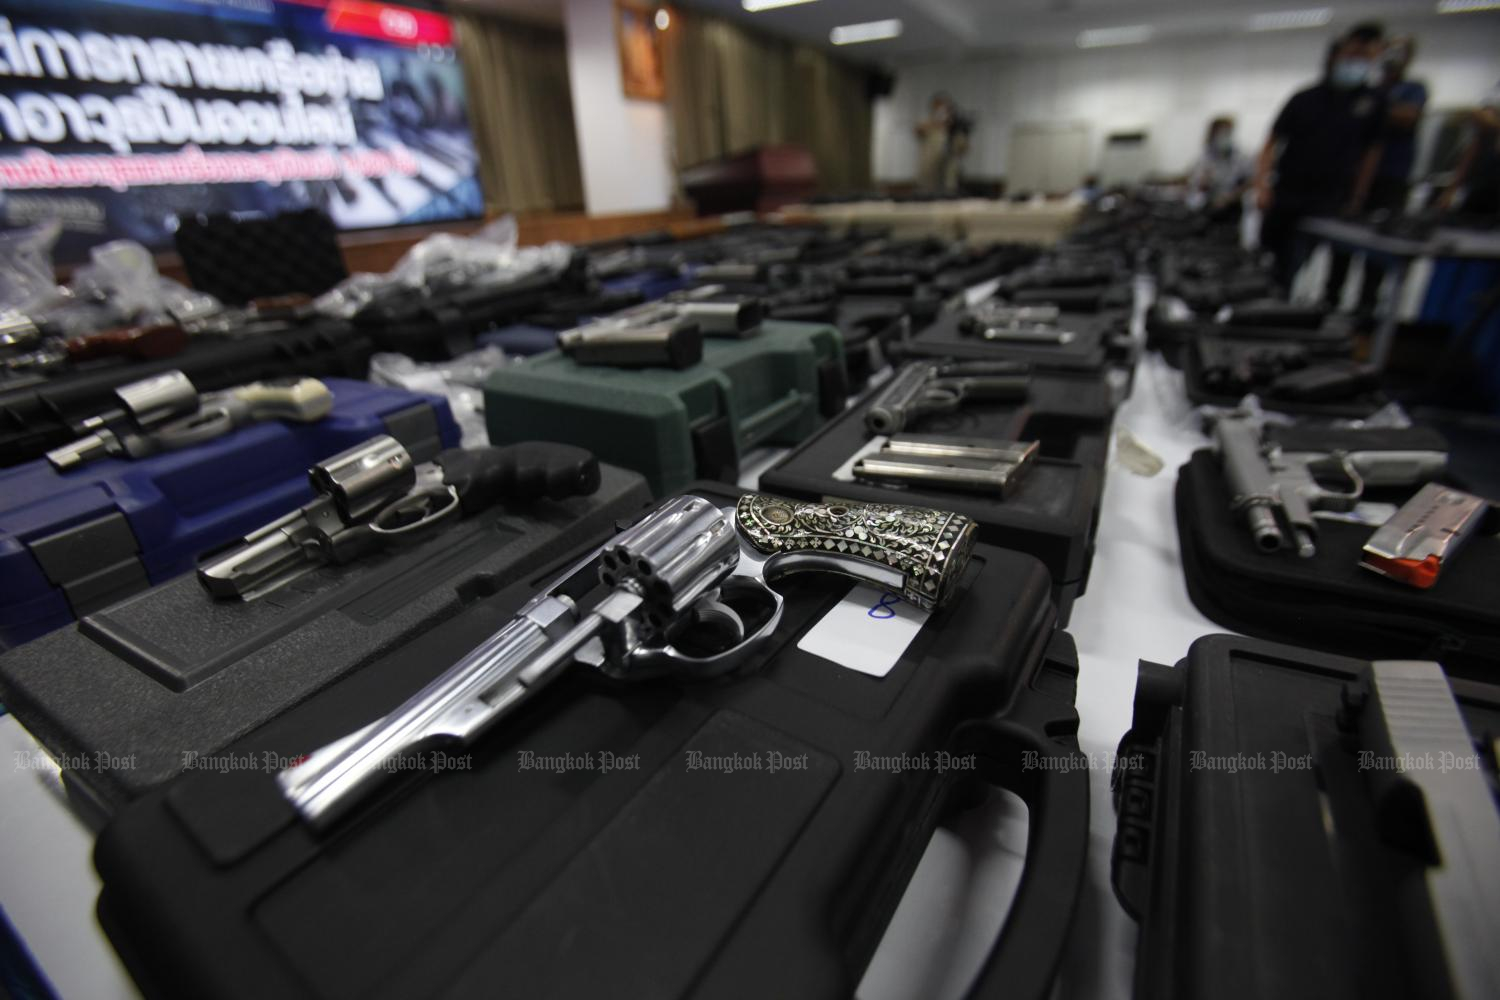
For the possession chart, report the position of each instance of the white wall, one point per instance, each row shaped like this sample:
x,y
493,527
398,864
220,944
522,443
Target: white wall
x,y
1171,89
622,143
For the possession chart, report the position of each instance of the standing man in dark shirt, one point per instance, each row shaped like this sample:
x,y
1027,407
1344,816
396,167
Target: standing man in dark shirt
x,y
1404,100
1323,149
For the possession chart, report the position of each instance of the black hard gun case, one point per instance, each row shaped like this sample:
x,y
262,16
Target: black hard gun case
x,y
649,880
1054,511
1089,351
1328,601
236,260
134,691
1261,857
1359,401
37,413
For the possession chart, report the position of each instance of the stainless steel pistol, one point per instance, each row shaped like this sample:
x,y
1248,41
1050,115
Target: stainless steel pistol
x,y
924,387
1278,491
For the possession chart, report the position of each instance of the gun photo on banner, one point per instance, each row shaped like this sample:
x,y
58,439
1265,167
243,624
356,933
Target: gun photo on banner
x,y
684,591
165,413
1276,486
373,496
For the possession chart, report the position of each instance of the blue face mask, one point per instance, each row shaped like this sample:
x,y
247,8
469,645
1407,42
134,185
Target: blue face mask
x,y
1350,73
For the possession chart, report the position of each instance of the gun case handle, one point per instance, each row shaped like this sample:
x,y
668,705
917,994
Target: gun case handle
x,y
1023,961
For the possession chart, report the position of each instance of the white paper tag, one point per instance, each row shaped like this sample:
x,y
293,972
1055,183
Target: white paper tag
x,y
867,631
845,472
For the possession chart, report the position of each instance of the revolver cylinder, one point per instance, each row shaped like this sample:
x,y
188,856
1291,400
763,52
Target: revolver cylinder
x,y
364,478
156,399
672,557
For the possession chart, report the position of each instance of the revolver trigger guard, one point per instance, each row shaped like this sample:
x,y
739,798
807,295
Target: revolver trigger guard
x,y
653,661
432,503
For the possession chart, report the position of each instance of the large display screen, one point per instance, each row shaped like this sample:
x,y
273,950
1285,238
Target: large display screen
x,y
117,116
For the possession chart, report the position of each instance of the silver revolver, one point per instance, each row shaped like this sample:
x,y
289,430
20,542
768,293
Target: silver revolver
x,y
375,495
141,406
685,592
1278,491
924,387
215,414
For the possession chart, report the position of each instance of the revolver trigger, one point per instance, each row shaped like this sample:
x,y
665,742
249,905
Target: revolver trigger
x,y
416,510
716,616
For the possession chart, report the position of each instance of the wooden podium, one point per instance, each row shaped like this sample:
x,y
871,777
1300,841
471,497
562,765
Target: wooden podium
x,y
759,180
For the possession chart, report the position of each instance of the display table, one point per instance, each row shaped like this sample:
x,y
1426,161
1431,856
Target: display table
x,y
1136,606
981,220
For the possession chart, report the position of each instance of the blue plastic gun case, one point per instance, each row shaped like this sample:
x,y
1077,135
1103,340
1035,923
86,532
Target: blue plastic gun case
x,y
74,542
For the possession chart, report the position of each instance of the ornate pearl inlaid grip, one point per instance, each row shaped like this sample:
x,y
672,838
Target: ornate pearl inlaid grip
x,y
915,551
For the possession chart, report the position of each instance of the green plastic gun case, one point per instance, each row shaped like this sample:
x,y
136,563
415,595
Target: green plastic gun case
x,y
774,387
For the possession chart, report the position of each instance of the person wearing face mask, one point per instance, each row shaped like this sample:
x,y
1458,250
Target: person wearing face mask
x,y
1321,155
1388,190
1222,174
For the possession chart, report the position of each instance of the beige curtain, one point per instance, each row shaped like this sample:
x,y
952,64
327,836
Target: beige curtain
x,y
521,111
730,89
